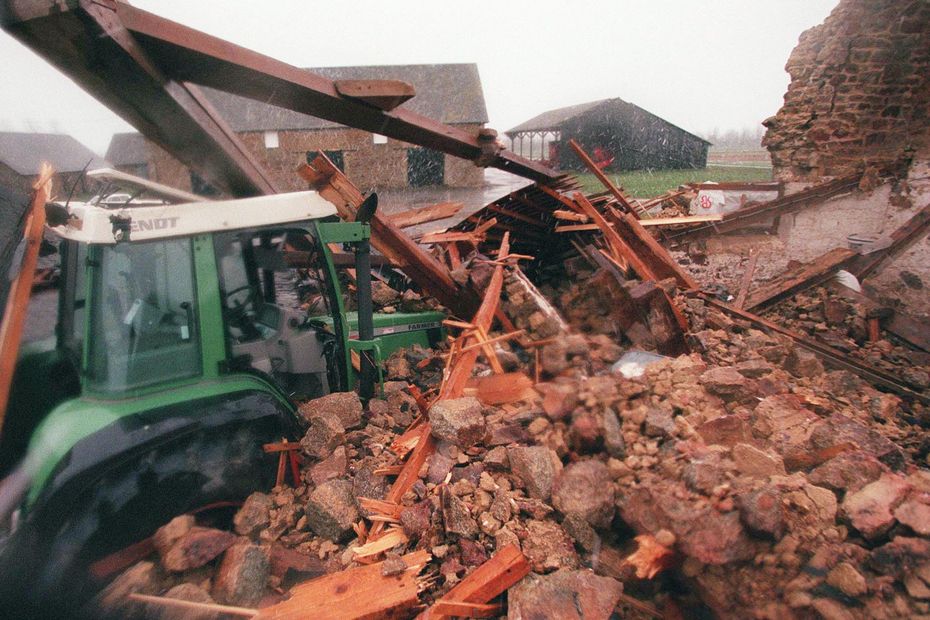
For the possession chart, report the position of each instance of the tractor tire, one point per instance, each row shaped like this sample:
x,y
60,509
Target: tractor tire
x,y
44,566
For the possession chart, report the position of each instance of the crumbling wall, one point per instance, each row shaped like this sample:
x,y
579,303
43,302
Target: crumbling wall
x,y
859,92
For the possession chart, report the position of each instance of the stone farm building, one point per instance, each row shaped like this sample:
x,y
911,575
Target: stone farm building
x,y
22,153
618,135
282,139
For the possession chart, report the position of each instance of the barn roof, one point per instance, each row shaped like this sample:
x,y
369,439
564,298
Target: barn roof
x,y
127,149
24,152
449,93
553,119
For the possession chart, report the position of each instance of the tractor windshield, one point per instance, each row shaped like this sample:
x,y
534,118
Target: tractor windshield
x,y
142,314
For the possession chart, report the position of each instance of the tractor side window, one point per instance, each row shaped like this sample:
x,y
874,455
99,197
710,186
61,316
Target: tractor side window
x,y
143,316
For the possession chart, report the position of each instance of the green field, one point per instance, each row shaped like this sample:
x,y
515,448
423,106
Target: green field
x,y
651,183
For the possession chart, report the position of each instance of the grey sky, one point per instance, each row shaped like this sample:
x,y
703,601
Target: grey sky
x,y
701,64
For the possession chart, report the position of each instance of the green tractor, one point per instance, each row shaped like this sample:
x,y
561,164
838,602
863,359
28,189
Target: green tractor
x,y
178,354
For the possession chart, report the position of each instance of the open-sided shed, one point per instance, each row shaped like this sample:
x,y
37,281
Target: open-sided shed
x,y
619,135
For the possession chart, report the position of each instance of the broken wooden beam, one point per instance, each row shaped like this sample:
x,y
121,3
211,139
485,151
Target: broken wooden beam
x,y
491,579
756,213
746,280
22,274
613,189
619,248
361,592
651,252
832,357
501,389
422,215
897,242
807,275
682,219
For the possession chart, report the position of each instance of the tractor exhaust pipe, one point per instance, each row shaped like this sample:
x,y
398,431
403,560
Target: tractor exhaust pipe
x,y
366,326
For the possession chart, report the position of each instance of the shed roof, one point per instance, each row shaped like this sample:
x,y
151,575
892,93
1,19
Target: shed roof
x,y
553,119
449,93
24,152
127,149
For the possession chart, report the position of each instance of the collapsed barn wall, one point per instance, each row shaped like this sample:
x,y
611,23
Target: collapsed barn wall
x,y
859,92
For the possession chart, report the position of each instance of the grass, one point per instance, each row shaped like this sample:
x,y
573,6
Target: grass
x,y
651,183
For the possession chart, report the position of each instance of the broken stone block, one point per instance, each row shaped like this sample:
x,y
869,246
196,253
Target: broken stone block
x,y
440,466
496,459
565,594
752,461
291,566
723,381
344,406
727,430
416,519
168,534
762,512
847,579
393,565
472,553
585,489
554,357
142,577
849,471
870,509
915,515
254,515
459,421
242,575
537,467
548,547
753,368
186,592
901,556
325,433
614,443
330,468
559,399
802,363
456,516
659,423
196,547
331,510
839,429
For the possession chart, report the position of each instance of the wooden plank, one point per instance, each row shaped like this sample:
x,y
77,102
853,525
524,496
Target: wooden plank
x,y
491,579
500,389
684,219
461,370
572,216
354,593
458,609
412,217
389,540
613,189
192,606
388,509
576,228
746,281
382,94
17,303
804,277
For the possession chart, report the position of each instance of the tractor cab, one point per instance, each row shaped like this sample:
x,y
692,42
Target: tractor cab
x,y
188,329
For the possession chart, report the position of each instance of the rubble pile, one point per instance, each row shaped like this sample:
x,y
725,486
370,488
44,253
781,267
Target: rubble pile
x,y
726,469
